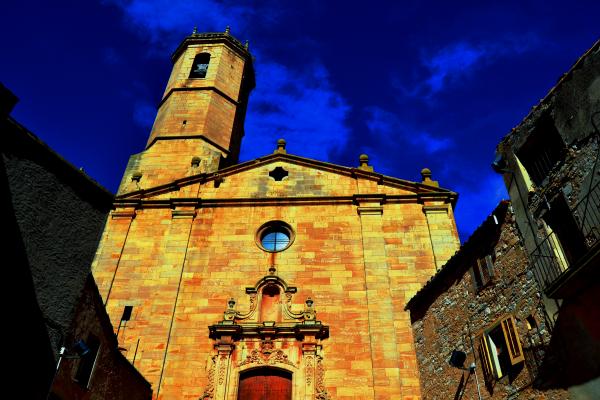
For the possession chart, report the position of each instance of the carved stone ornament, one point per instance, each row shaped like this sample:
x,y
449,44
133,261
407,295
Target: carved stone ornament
x,y
210,388
309,369
259,358
289,339
321,391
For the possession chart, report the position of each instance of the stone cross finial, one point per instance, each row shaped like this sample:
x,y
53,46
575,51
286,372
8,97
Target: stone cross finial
x,y
281,146
363,161
426,176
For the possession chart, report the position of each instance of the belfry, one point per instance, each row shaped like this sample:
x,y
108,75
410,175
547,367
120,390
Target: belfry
x,y
278,278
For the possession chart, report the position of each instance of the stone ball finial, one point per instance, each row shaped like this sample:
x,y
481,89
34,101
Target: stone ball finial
x,y
425,173
281,143
227,29
363,160
195,31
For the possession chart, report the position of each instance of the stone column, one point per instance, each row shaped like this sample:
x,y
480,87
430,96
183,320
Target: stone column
x,y
309,352
443,235
384,352
223,368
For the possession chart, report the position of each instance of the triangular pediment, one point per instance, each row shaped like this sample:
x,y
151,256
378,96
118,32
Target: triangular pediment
x,y
281,175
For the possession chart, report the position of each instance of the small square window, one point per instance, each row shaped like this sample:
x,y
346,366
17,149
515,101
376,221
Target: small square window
x,y
482,271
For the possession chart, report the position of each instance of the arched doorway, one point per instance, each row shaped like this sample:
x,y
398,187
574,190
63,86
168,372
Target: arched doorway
x,y
265,384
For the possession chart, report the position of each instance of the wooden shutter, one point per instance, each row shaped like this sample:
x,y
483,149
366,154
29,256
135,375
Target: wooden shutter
x,y
486,362
477,284
489,263
511,336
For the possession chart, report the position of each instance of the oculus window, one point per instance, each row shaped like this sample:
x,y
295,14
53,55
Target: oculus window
x,y
275,236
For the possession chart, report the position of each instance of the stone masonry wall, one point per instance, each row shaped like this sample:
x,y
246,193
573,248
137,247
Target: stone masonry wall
x,y
453,315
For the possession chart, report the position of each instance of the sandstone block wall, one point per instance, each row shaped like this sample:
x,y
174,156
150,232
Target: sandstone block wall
x,y
360,258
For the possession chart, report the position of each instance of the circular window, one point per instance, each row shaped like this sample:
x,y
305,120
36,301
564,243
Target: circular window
x,y
275,236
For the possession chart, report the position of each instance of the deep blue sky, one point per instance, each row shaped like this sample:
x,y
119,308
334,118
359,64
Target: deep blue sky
x,y
412,84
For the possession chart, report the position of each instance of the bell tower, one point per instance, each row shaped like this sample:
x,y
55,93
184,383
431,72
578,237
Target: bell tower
x,y
200,120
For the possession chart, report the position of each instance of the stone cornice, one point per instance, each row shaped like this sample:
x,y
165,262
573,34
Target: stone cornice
x,y
212,37
417,198
424,191
191,89
298,330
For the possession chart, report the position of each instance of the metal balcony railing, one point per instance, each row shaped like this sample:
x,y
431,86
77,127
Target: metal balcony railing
x,y
549,260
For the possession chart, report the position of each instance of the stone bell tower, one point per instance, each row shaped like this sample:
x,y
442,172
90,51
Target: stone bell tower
x,y
200,120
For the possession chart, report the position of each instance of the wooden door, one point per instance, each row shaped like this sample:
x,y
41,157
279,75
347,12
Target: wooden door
x,y
265,384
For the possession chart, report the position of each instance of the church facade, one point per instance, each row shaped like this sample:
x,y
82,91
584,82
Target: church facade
x,y
282,277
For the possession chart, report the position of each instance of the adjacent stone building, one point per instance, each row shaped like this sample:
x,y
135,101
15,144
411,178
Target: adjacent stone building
x,y
550,167
52,218
282,277
485,303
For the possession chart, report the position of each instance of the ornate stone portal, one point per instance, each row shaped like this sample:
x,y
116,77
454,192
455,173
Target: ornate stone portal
x,y
274,334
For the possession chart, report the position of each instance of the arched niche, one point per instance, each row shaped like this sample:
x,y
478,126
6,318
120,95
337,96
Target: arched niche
x,y
270,303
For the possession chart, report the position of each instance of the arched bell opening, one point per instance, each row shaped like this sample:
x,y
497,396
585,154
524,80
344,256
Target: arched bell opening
x,y
270,304
265,384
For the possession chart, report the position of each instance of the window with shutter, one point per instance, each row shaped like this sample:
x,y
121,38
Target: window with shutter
x,y
483,271
500,348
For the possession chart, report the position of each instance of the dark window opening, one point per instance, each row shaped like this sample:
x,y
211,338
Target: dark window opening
x,y
562,223
499,351
543,149
278,174
87,362
530,322
483,271
200,65
127,313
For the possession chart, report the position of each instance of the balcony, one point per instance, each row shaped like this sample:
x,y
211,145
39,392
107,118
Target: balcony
x,y
563,260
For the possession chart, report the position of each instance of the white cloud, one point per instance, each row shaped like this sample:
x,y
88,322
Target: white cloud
x,y
389,128
298,105
155,18
456,61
